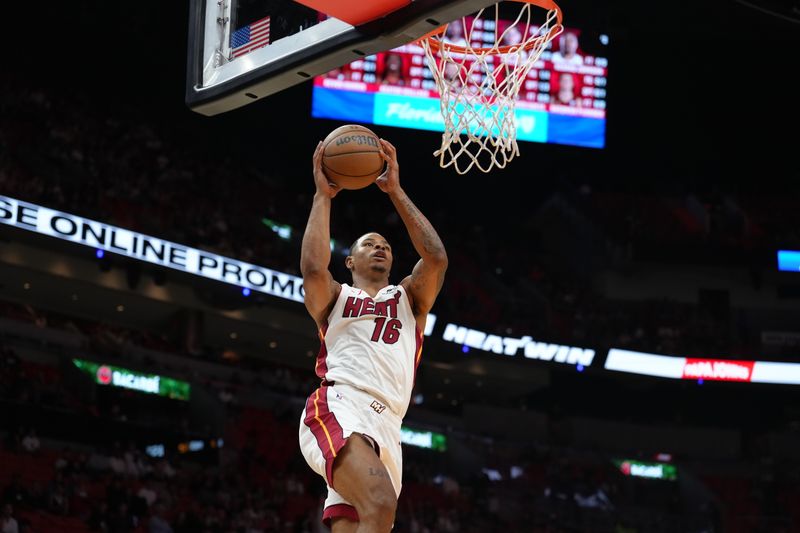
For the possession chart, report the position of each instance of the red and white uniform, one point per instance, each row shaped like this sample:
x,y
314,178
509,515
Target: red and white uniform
x,y
370,349
372,344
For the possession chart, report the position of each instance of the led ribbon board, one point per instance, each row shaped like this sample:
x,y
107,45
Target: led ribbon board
x,y
664,366
526,345
152,250
98,235
128,379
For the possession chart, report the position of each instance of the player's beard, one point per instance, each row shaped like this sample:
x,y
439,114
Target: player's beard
x,y
379,268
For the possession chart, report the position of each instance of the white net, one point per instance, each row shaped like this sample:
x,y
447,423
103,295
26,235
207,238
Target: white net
x,y
479,86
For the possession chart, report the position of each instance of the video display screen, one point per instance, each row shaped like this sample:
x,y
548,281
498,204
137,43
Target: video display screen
x,y
562,100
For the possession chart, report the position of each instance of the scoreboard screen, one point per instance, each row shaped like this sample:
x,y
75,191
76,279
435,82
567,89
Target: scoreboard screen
x,y
562,100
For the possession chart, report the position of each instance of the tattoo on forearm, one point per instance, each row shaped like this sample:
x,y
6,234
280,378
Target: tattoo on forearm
x,y
378,473
431,242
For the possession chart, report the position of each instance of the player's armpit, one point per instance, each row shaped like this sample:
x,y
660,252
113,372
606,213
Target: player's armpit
x,y
320,293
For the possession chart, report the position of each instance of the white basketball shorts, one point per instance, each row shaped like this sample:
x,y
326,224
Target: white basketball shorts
x,y
331,415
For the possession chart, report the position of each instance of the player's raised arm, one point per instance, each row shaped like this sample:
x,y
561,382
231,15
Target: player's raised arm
x,y
425,281
320,288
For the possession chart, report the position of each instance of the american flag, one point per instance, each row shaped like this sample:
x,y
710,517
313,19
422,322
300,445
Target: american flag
x,y
250,37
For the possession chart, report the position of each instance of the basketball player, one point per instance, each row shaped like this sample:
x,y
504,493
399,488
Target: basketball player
x,y
567,53
371,341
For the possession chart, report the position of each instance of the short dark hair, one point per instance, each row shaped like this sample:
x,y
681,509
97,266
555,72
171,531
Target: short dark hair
x,y
355,242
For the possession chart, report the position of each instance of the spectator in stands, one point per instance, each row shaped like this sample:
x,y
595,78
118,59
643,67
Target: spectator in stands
x,y
135,465
116,461
13,441
164,470
58,495
147,494
98,519
8,524
30,442
158,523
15,492
120,520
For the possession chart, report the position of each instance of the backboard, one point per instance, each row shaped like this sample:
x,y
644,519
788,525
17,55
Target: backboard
x,y
240,51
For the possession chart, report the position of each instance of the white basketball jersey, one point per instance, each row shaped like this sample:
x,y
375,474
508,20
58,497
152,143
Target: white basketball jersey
x,y
372,344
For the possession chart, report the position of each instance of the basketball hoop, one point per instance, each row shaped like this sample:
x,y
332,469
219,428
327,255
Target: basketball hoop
x,y
478,86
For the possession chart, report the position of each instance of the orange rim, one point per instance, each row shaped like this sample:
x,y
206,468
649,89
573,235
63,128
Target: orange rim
x,y
435,42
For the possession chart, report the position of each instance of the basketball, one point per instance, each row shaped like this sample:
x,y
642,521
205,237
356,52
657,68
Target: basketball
x,y
351,156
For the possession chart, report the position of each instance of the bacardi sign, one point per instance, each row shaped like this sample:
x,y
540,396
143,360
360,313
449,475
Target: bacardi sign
x,y
115,376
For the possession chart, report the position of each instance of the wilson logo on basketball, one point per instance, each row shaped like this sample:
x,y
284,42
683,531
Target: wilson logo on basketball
x,y
358,139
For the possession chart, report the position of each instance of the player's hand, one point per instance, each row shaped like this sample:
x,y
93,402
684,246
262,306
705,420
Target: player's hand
x,y
324,185
389,181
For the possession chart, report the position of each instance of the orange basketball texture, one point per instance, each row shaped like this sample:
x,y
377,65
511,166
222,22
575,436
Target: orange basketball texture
x,y
351,156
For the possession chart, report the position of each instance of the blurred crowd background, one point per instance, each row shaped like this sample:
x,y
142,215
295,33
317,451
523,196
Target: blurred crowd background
x,y
74,453
664,243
